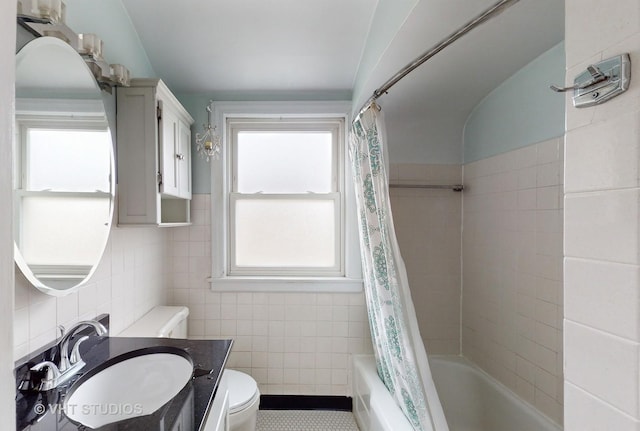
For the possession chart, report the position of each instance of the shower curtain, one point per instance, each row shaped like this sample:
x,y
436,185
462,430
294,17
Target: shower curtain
x,y
400,355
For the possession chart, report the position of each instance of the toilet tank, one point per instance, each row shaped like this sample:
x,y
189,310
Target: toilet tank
x,y
162,321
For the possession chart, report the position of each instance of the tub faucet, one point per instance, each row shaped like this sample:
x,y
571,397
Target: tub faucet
x,y
69,364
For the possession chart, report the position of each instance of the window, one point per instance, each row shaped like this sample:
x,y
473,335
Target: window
x,y
280,204
61,181
286,199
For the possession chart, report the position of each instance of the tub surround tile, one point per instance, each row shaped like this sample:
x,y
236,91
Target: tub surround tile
x,y
603,156
601,416
586,32
603,225
611,370
603,295
512,248
424,174
422,218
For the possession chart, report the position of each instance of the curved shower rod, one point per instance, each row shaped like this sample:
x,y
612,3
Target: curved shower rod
x,y
494,10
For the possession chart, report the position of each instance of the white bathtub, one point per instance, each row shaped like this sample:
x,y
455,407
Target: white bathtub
x,y
373,406
471,399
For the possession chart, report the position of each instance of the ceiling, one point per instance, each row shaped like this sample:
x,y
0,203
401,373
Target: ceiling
x,y
254,46
299,49
427,110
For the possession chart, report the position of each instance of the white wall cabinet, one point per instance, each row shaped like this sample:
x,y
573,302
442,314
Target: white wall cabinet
x,y
154,155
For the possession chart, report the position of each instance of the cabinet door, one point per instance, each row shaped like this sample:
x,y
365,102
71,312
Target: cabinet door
x,y
137,132
183,160
168,144
218,416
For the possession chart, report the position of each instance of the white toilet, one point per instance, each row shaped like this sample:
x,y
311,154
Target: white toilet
x,y
171,322
244,400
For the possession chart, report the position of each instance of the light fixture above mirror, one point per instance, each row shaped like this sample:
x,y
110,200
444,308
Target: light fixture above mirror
x,y
47,18
208,144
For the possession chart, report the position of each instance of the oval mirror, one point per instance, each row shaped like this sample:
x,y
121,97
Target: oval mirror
x,y
63,169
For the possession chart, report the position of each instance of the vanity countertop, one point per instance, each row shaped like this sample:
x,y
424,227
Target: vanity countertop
x,y
189,406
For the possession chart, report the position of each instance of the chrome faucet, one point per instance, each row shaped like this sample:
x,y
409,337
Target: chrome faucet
x,y
69,364
67,361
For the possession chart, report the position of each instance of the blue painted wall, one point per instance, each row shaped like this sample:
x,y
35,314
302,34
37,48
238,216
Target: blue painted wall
x,y
200,169
110,21
519,112
121,44
387,20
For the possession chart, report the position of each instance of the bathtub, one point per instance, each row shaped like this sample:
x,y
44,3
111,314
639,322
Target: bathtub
x,y
471,399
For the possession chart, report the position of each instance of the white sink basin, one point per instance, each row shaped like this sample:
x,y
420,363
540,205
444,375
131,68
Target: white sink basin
x,y
134,387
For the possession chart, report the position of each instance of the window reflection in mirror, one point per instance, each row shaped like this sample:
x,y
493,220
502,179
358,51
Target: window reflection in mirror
x,y
63,171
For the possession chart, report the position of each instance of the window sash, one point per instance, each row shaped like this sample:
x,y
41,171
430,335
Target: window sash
x,y
24,124
334,126
336,270
221,185
29,236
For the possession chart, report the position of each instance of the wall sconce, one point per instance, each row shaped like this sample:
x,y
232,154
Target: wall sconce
x,y
208,144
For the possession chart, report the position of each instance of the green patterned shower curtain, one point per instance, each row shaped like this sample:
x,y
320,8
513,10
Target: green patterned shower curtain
x,y
401,358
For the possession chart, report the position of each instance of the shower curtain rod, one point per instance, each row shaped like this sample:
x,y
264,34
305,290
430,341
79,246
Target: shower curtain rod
x,y
494,10
454,187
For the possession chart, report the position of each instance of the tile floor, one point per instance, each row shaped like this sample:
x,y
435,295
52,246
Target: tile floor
x,y
305,420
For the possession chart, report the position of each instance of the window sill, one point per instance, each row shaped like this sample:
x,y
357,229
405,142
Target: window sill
x,y
286,284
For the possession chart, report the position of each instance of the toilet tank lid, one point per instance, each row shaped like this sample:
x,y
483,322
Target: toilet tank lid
x,y
158,322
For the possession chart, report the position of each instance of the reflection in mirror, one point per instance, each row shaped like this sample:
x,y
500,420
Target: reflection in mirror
x,y
63,171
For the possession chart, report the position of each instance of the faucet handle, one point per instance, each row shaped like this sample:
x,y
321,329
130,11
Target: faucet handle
x,y
75,353
51,377
52,369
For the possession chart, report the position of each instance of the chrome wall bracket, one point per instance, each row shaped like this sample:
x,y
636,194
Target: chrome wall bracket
x,y
107,75
600,82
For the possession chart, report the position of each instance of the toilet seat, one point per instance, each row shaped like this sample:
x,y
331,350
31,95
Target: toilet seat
x,y
243,390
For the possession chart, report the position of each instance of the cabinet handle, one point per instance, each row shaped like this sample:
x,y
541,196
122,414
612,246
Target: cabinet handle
x,y
180,156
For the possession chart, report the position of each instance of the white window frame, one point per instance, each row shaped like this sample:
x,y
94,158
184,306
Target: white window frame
x,y
335,126
346,278
59,114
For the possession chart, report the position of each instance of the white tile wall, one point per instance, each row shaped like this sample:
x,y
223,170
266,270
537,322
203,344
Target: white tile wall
x,y
291,343
428,225
130,280
603,225
588,413
512,271
604,295
589,357
602,340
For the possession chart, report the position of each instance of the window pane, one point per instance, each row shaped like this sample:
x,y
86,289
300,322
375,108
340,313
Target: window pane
x,y
285,233
47,223
68,160
284,162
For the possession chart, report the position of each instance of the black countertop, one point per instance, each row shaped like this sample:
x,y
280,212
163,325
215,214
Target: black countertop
x,y
42,411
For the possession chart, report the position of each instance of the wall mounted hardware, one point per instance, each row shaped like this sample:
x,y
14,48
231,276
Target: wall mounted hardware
x,y
600,82
106,75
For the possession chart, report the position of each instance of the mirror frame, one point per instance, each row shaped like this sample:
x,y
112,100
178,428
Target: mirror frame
x,y
32,48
